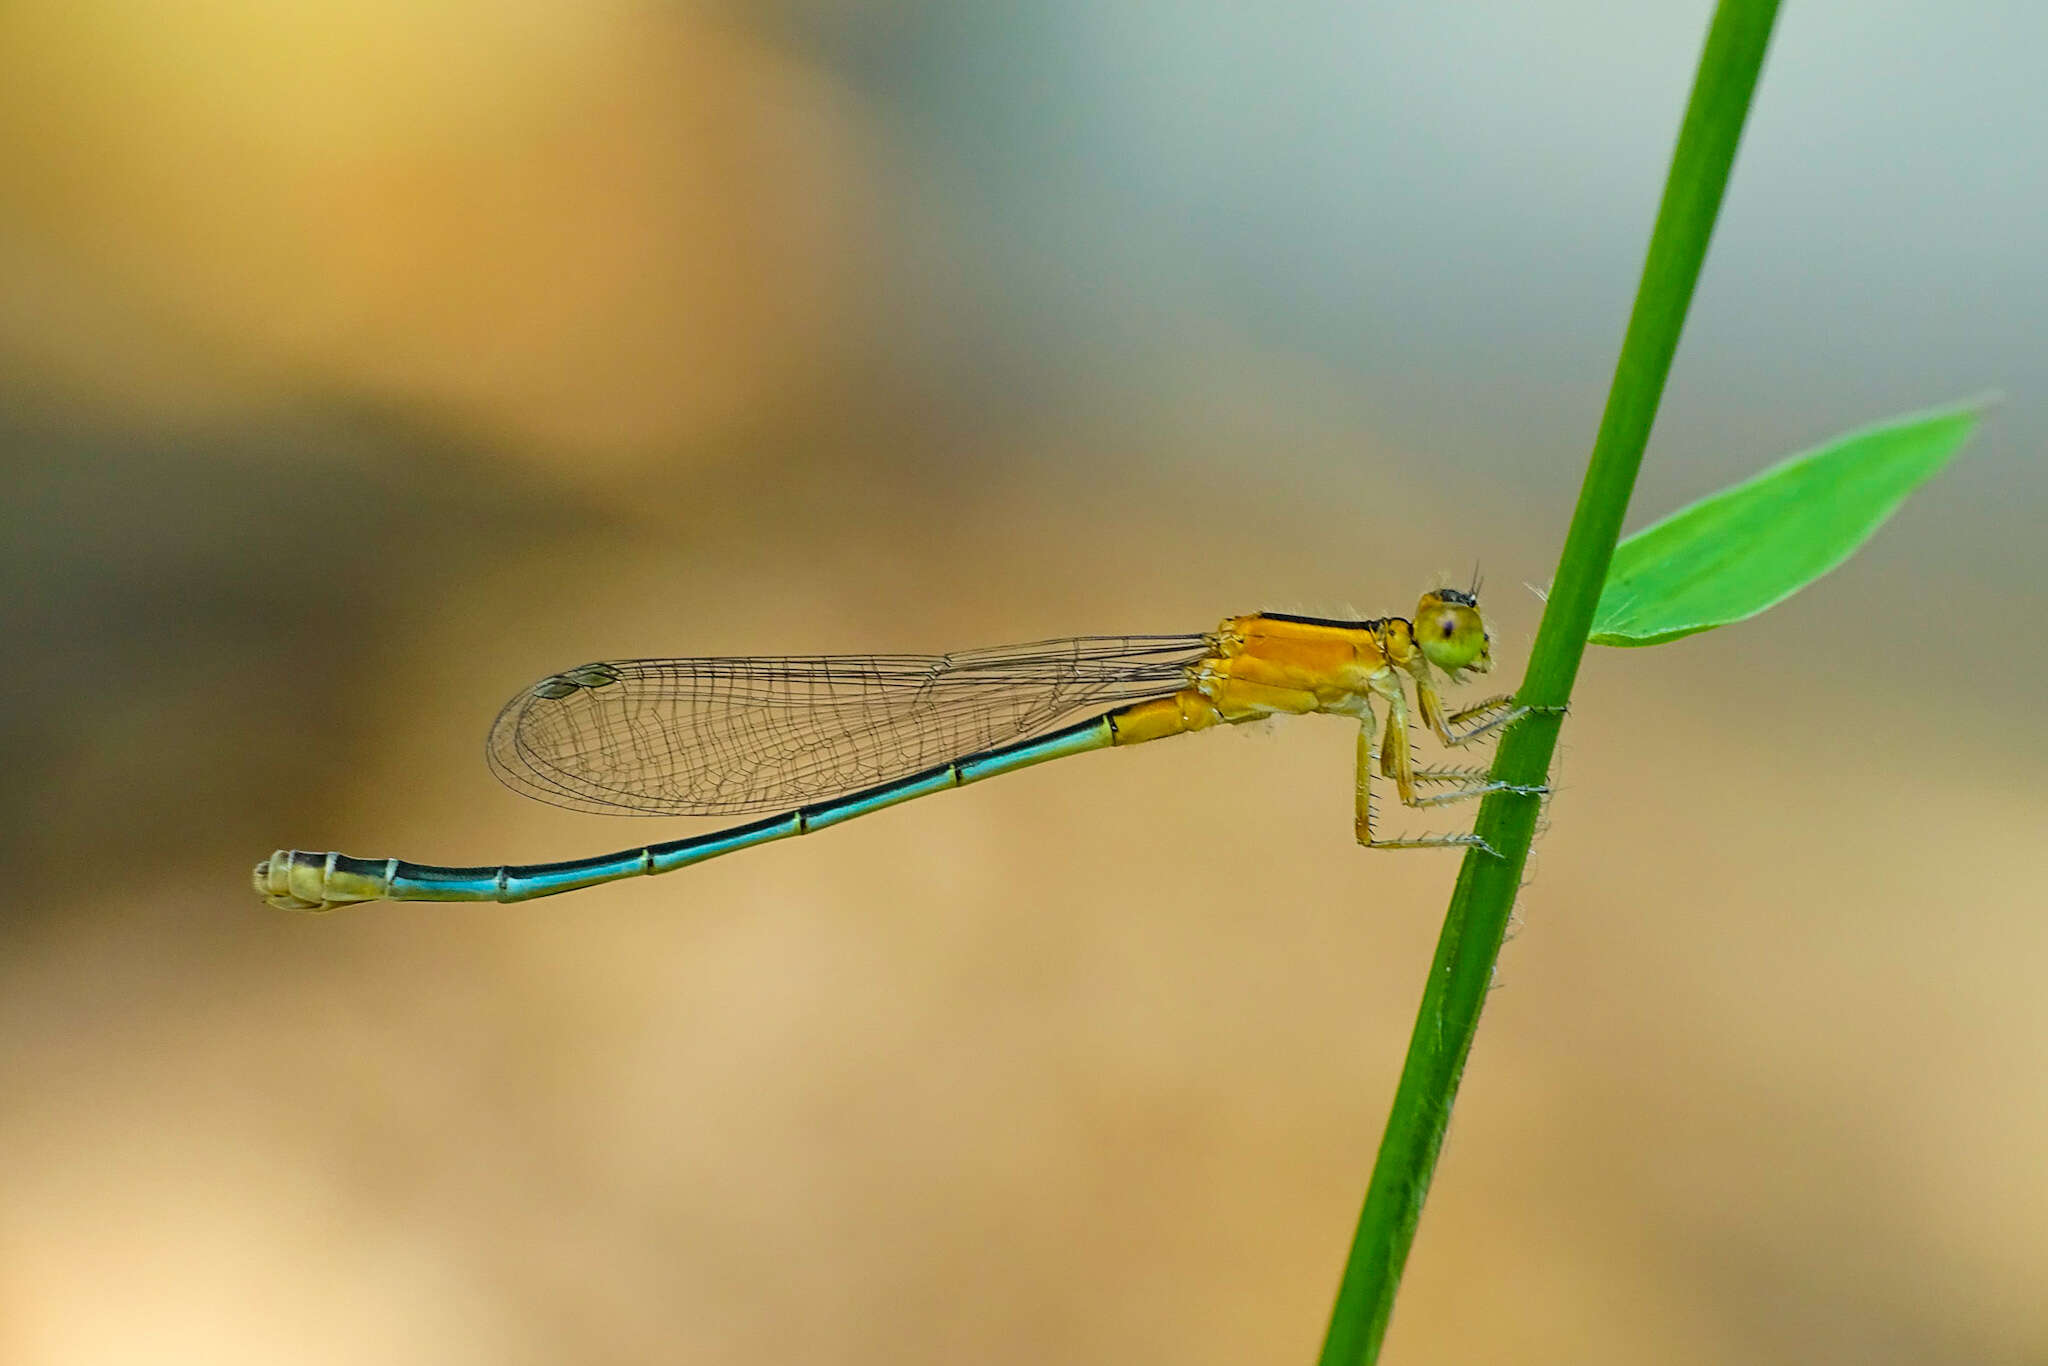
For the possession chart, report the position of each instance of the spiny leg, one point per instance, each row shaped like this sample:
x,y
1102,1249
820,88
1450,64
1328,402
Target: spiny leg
x,y
1404,776
1445,727
1395,759
1474,783
1471,782
1501,712
1491,704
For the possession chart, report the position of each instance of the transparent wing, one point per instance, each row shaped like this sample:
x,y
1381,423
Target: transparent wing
x,y
718,736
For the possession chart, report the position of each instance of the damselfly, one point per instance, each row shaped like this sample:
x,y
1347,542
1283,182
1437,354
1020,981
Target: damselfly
x,y
822,739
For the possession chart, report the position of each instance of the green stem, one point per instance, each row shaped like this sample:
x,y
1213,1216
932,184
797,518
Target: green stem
x,y
1485,894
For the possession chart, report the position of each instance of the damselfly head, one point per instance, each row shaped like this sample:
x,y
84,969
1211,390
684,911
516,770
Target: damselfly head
x,y
1452,634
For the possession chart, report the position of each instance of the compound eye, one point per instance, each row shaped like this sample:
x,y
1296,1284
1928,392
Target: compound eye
x,y
1451,635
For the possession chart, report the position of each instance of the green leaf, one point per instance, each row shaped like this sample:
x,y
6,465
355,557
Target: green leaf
x,y
1737,552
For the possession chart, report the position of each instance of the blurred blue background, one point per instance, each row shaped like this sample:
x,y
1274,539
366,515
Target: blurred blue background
x,y
359,367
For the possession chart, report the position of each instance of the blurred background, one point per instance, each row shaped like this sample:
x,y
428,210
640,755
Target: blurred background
x,y
360,365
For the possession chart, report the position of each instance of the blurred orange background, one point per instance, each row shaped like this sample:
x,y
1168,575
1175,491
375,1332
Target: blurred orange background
x,y
360,366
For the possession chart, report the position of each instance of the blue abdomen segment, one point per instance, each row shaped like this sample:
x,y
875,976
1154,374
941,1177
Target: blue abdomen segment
x,y
822,814
1093,734
662,858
